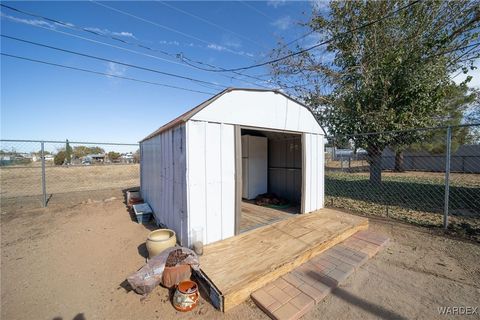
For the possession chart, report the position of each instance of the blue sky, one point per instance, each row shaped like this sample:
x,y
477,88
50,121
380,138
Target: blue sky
x,y
45,102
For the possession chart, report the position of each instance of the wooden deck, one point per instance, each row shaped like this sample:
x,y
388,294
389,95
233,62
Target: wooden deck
x,y
254,216
237,266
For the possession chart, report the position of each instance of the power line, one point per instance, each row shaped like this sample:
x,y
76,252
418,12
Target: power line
x,y
319,44
210,23
182,63
101,73
85,29
256,10
110,60
158,24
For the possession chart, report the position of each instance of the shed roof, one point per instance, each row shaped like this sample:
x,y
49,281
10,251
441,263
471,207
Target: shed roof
x,y
190,113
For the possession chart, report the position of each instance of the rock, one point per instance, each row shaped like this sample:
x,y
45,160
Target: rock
x,y
110,199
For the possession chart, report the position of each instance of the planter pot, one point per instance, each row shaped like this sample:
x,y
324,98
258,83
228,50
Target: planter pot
x,y
160,240
186,296
174,275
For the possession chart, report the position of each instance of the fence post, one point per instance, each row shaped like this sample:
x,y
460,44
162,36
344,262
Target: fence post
x,y
447,176
44,183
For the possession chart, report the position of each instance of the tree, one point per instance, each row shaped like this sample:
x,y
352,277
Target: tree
x,y
458,99
68,153
136,156
390,75
82,151
59,158
112,155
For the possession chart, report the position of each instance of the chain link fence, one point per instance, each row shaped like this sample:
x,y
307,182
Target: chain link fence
x,y
429,177
34,172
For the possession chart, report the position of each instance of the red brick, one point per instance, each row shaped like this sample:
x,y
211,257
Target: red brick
x,y
287,312
317,293
262,297
279,295
303,302
280,283
339,276
291,290
372,237
293,279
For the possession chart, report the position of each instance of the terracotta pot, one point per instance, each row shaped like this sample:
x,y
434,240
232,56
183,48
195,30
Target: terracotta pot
x,y
174,275
160,240
186,296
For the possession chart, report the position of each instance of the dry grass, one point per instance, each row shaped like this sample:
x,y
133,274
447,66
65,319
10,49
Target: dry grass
x,y
25,181
415,197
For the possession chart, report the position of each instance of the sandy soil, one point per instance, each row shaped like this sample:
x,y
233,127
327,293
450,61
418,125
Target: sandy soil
x,y
70,262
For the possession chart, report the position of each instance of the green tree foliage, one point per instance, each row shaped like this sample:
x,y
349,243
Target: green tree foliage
x,y
59,158
82,151
68,153
112,155
391,75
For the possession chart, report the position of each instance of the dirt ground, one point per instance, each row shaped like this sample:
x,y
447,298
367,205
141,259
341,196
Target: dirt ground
x,y
70,262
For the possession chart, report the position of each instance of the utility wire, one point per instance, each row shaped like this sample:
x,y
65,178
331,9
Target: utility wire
x,y
102,73
318,44
210,23
158,24
114,61
85,29
182,63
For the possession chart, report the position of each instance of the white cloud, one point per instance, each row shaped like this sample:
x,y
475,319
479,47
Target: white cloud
x,y
124,34
216,47
231,42
170,43
276,3
111,33
32,22
116,69
42,23
283,23
475,74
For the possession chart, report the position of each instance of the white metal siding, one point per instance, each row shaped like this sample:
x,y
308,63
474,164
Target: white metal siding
x,y
163,166
211,179
260,109
314,184
255,166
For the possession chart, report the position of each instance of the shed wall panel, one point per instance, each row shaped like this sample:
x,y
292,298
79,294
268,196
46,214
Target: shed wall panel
x,y
314,184
228,180
163,179
211,179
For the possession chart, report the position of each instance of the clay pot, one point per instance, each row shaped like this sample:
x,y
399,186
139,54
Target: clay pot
x,y
186,296
174,275
160,240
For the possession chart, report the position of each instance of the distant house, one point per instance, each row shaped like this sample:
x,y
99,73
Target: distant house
x,y
127,157
94,158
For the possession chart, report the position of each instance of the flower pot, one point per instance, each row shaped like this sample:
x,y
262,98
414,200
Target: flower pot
x,y
160,240
186,296
174,275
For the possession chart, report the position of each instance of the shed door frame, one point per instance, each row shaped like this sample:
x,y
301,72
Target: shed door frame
x,y
238,169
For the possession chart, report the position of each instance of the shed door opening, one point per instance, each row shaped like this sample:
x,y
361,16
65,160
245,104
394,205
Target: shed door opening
x,y
271,177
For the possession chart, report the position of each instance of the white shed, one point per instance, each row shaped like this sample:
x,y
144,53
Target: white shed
x,y
191,168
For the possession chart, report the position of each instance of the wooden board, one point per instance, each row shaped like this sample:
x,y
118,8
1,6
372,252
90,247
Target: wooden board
x,y
242,264
254,216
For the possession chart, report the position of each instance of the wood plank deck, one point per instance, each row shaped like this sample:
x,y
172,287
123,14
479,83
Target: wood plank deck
x,y
254,216
242,264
